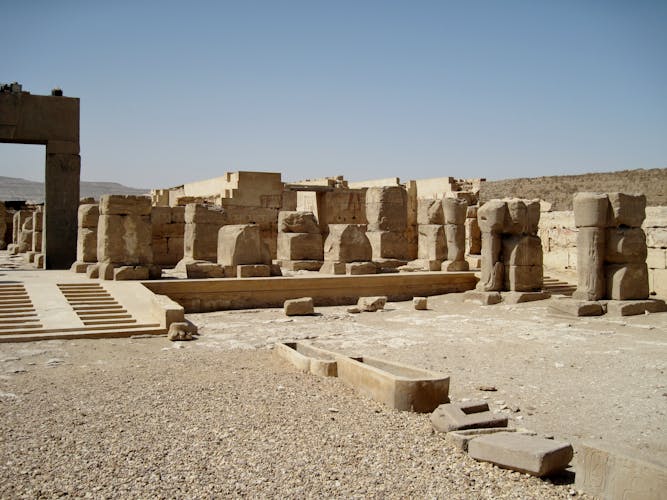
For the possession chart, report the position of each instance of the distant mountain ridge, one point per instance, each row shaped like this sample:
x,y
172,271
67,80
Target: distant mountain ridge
x,y
12,188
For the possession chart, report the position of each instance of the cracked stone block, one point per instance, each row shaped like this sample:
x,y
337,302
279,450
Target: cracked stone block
x,y
466,415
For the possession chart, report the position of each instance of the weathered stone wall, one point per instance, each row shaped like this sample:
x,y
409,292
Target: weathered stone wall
x,y
559,244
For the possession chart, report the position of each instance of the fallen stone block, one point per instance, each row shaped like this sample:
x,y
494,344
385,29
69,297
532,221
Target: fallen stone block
x,y
333,268
398,386
308,359
299,307
201,269
253,271
519,297
607,471
420,303
575,307
371,304
529,454
483,298
300,265
356,268
454,266
123,273
181,330
465,415
635,307
460,439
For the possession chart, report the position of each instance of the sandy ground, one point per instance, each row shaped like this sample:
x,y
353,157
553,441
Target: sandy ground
x,y
220,415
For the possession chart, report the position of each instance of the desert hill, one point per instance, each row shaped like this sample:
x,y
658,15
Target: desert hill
x,y
558,189
12,188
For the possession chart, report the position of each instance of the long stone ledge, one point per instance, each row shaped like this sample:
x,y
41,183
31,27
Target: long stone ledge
x,y
207,295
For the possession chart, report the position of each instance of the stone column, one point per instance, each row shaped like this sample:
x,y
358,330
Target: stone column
x,y
455,210
299,243
591,212
387,216
61,206
86,240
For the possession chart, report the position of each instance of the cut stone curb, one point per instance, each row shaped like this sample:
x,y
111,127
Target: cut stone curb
x,y
530,454
308,358
520,297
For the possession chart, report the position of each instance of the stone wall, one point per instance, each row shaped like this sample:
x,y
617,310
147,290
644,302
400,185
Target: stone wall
x,y
559,243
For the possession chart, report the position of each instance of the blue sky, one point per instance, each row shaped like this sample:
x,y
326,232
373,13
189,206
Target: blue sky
x,y
178,91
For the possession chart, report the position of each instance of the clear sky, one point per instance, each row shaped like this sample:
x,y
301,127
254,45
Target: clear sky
x,y
178,91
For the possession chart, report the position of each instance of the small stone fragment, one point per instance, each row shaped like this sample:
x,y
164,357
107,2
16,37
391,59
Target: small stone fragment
x,y
420,303
371,304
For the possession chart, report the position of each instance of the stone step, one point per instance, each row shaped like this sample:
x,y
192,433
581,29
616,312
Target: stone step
x,y
83,334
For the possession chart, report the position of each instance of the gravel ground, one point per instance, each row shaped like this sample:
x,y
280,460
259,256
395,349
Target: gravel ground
x,y
148,418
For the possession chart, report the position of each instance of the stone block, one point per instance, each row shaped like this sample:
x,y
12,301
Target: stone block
x,y
387,208
520,297
253,271
106,270
300,246
591,248
624,245
300,265
466,415
575,307
523,278
422,264
160,216
429,212
181,330
591,209
529,454
200,241
199,269
627,281
627,210
30,256
88,215
460,439
455,210
358,268
522,251
656,258
124,239
118,204
297,222
195,213
240,244
492,273
388,244
635,307
79,267
39,261
656,237
474,261
431,243
455,236
371,304
420,303
491,216
471,211
473,237
124,273
329,267
299,307
347,243
454,266
607,471
533,213
37,241
86,245
178,215
93,271
516,222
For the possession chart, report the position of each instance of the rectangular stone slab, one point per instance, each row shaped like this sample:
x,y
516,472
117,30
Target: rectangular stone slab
x,y
399,386
530,454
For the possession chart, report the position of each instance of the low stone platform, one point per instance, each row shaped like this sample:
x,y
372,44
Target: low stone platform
x,y
223,294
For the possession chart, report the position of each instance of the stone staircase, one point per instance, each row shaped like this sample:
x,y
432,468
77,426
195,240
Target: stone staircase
x,y
61,310
557,286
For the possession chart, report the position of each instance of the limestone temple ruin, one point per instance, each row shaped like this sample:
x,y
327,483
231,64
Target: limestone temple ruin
x,y
249,239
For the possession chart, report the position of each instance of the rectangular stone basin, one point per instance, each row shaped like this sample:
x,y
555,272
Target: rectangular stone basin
x,y
308,358
396,385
